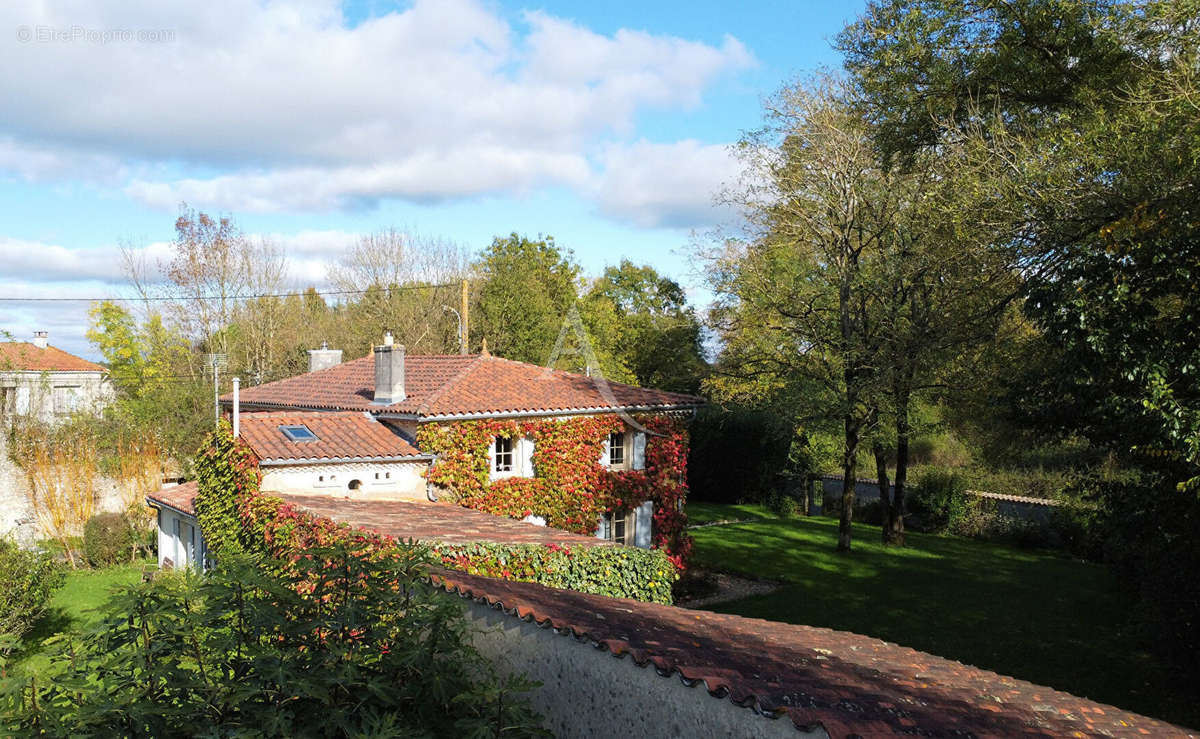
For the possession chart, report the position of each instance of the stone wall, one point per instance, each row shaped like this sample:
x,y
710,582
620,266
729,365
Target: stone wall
x,y
587,692
16,516
1012,506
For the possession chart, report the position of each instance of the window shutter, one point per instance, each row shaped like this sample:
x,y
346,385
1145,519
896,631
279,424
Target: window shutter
x,y
525,446
604,453
492,459
639,450
644,515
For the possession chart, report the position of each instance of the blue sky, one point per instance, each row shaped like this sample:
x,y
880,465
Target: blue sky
x,y
603,124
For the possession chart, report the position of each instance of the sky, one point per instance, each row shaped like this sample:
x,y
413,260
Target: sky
x,y
606,125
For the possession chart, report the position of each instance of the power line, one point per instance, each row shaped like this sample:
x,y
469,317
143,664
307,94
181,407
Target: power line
x,y
149,299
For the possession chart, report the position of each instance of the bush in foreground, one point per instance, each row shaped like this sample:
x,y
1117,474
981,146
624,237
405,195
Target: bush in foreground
x,y
27,580
328,645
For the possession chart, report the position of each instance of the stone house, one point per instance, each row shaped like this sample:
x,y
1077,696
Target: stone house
x,y
350,430
47,383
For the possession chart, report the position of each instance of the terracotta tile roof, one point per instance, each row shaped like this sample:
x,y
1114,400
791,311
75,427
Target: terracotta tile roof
x,y
20,355
180,497
850,685
448,385
344,436
434,522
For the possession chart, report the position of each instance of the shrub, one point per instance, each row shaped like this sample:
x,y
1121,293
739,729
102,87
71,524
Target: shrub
x,y
936,497
329,645
782,504
27,580
622,572
108,538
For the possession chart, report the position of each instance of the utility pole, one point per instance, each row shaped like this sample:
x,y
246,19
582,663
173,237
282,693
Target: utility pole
x,y
465,329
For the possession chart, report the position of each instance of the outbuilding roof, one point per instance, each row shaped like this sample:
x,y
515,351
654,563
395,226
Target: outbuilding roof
x,y
180,497
23,356
461,386
336,437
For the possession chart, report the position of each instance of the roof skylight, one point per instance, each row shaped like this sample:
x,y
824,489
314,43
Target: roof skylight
x,y
298,433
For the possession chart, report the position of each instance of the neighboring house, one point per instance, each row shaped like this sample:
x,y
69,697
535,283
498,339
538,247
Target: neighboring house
x,y
349,430
44,382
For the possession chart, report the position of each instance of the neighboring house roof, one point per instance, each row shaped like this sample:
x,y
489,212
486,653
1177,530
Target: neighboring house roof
x,y
456,386
432,523
850,685
25,357
180,497
340,437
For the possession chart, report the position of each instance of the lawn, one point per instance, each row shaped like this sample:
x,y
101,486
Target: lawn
x,y
71,608
1030,614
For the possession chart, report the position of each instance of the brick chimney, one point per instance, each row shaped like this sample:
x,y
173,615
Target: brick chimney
x,y
41,339
389,372
323,358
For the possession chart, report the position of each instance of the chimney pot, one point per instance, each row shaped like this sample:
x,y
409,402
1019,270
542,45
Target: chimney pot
x,y
323,358
389,373
387,338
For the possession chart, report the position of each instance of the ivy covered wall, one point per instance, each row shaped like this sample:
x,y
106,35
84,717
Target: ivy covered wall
x,y
572,490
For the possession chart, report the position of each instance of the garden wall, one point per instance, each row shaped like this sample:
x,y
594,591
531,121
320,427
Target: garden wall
x,y
587,692
1034,510
17,518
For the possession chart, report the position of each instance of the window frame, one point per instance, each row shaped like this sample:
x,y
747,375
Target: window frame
x,y
510,454
623,448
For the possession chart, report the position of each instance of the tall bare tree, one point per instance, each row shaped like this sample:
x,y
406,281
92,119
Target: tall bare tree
x,y
405,276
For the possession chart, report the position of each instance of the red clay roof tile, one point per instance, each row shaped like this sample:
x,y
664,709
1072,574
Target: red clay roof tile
x,y
851,685
451,385
181,497
340,436
19,355
434,522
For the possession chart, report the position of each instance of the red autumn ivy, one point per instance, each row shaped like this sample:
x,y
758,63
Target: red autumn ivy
x,y
572,489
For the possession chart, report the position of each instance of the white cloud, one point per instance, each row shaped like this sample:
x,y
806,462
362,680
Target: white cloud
x,y
287,108
674,184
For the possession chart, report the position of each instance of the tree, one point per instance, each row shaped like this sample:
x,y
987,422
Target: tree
x,y
411,283
871,279
527,287
643,322
797,299
1092,106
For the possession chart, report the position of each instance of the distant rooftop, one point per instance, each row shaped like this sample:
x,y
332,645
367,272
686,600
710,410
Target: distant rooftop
x,y
26,357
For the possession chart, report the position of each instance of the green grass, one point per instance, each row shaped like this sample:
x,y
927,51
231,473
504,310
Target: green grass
x,y
702,513
1030,614
72,609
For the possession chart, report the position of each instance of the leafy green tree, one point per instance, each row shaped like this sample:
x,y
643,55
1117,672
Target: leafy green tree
x,y
151,370
527,288
797,304
1092,106
646,326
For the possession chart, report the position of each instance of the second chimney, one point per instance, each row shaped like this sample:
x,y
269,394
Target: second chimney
x,y
389,372
323,358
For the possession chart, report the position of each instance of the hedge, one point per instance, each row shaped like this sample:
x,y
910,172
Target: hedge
x,y
622,572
